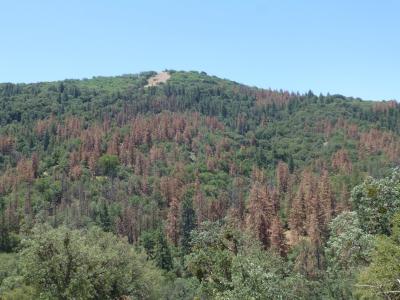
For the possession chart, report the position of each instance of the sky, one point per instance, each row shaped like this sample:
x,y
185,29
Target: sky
x,y
349,47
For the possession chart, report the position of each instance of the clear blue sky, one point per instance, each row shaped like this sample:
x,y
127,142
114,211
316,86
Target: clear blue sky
x,y
350,47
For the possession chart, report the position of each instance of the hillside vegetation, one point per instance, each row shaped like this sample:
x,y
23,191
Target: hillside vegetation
x,y
194,186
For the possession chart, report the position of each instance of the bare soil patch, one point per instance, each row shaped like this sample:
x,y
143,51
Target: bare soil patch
x,y
158,78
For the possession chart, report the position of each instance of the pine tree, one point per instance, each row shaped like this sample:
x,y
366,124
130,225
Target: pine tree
x,y
46,140
282,177
200,203
277,237
162,253
35,164
113,145
237,199
326,198
127,224
315,232
5,239
28,202
259,212
105,219
291,164
188,223
173,221
297,217
341,161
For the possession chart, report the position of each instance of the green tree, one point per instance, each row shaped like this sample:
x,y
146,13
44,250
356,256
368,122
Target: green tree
x,y
376,201
213,248
188,222
381,278
108,165
163,257
46,140
260,275
157,248
348,250
230,265
182,289
105,219
76,264
8,265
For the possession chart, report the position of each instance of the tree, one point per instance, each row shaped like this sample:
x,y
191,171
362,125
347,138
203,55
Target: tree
x,y
341,161
181,288
72,264
261,275
105,219
214,245
35,164
163,258
297,217
282,177
128,224
108,164
173,221
8,239
257,221
46,140
238,206
157,248
278,243
326,198
188,222
291,164
200,203
376,201
348,250
229,265
381,278
315,229
348,246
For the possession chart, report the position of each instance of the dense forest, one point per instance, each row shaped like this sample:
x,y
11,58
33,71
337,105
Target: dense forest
x,y
196,188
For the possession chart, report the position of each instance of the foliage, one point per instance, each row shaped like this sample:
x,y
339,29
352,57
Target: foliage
x,y
108,165
261,275
381,278
376,201
157,249
347,251
232,266
348,246
8,265
64,264
188,223
213,249
182,289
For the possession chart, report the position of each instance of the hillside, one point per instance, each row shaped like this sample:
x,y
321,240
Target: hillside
x,y
193,169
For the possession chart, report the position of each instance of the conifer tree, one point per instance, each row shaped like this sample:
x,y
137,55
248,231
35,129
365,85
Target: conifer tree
x,y
297,217
326,199
173,221
105,219
162,253
278,243
188,223
282,177
200,203
258,221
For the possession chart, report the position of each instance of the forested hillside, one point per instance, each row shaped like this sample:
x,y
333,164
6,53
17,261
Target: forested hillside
x,y
196,188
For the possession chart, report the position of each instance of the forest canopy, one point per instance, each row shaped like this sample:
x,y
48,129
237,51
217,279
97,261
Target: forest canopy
x,y
195,188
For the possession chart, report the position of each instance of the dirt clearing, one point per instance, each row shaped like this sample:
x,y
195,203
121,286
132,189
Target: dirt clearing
x,y
158,78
